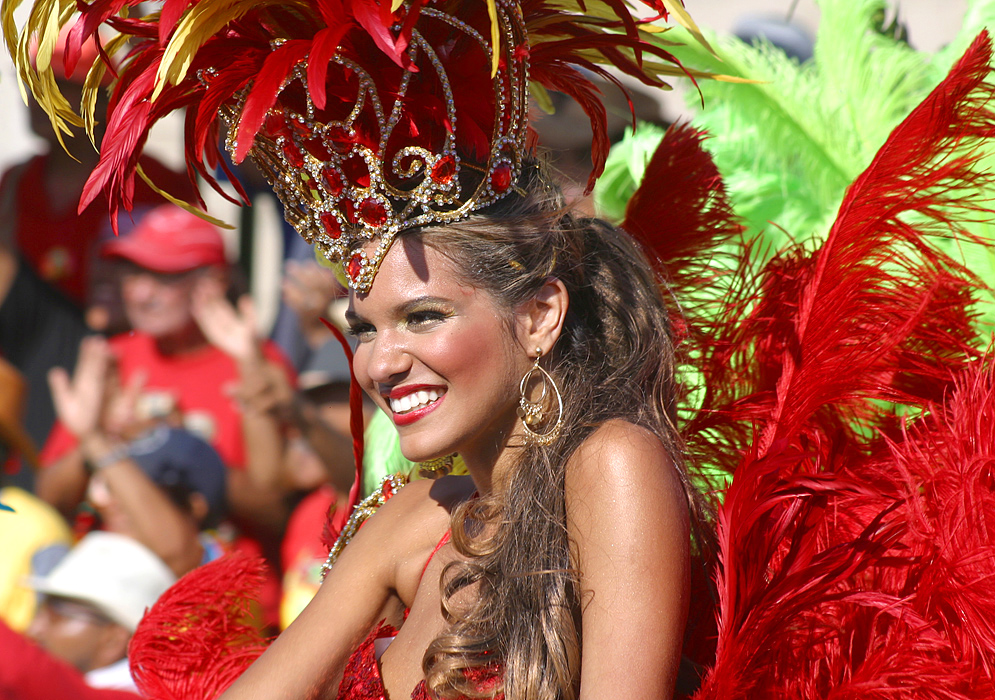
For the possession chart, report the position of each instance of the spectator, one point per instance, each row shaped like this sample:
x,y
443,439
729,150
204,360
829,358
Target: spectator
x,y
92,603
190,359
34,536
165,489
48,248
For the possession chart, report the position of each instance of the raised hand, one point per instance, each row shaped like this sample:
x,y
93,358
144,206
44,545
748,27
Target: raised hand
x,y
308,289
232,330
79,400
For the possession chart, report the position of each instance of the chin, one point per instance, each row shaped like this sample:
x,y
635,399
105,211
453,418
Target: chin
x,y
418,451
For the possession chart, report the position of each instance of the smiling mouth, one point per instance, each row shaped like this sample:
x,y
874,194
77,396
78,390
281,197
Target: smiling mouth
x,y
414,401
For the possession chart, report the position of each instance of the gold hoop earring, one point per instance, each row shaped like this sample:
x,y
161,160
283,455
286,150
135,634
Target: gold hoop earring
x,y
436,468
531,412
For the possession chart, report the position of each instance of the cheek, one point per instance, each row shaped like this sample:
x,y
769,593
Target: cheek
x,y
476,354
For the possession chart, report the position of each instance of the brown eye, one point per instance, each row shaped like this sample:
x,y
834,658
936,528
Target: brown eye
x,y
362,331
426,318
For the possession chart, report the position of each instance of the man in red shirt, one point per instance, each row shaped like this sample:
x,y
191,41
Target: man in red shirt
x,y
190,357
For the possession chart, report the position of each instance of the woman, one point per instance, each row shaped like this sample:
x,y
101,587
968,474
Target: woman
x,y
583,534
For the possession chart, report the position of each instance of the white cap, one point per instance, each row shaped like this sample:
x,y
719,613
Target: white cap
x,y
113,573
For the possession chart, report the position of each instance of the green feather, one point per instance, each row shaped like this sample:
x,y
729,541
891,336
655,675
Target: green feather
x,y
789,144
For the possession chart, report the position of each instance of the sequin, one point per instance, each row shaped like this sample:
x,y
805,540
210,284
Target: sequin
x,y
361,679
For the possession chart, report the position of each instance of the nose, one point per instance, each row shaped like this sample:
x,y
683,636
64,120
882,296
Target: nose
x,y
388,360
36,630
138,286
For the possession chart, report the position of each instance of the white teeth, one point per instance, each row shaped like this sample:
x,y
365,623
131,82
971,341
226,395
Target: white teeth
x,y
413,401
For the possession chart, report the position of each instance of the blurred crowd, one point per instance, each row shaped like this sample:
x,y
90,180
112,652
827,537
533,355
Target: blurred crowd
x,y
147,425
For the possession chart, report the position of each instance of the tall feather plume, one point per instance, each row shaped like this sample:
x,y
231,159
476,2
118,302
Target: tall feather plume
x,y
198,638
694,241
824,333
820,570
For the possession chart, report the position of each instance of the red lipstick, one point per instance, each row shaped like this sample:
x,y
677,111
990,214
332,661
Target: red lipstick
x,y
402,419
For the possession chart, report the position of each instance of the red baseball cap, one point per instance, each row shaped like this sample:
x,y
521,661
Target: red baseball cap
x,y
88,56
169,240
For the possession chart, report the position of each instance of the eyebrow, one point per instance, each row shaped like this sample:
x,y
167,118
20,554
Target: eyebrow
x,y
401,309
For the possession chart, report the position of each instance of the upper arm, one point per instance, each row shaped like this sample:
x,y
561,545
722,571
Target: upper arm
x,y
627,513
358,591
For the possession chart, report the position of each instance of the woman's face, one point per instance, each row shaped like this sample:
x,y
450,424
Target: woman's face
x,y
438,356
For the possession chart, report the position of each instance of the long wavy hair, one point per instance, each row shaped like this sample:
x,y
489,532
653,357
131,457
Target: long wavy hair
x,y
615,358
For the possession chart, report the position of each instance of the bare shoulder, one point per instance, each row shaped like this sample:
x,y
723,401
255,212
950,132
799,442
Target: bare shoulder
x,y
621,484
618,457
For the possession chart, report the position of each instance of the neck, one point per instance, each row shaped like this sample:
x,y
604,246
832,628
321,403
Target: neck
x,y
491,462
190,339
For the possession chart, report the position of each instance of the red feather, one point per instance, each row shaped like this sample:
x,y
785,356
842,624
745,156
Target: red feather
x,y
169,16
375,17
326,43
697,218
850,561
197,639
356,424
265,88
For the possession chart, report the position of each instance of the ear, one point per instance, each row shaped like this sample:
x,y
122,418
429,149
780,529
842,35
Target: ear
x,y
543,316
198,506
112,645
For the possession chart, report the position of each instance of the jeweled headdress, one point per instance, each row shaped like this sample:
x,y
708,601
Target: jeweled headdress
x,y
368,117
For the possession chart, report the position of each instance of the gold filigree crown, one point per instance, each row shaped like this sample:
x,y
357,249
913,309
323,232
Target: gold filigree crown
x,y
394,160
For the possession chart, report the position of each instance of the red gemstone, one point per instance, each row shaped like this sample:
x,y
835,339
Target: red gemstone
x,y
333,181
444,170
356,171
341,139
331,224
316,148
293,154
275,125
354,266
373,212
501,178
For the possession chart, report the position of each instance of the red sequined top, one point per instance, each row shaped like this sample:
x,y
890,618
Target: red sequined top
x,y
361,679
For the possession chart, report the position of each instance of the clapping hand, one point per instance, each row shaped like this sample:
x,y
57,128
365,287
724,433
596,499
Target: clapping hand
x,y
308,289
232,330
79,400
93,399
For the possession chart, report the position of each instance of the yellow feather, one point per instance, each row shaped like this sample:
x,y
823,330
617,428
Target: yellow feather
x,y
495,36
199,24
180,203
10,33
684,19
541,96
396,4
